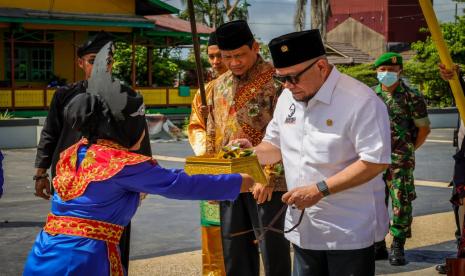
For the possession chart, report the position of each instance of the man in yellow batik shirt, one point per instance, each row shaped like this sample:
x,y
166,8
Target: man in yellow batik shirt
x,y
243,101
212,251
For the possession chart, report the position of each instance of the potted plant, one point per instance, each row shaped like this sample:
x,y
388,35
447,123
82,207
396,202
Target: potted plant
x,y
17,132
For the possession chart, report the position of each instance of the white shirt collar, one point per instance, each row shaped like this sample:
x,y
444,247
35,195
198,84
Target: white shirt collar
x,y
325,93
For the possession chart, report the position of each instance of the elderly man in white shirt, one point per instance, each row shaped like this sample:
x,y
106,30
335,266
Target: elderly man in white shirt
x,y
333,135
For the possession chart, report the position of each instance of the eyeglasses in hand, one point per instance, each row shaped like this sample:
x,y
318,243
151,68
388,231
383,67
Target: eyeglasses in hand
x,y
270,226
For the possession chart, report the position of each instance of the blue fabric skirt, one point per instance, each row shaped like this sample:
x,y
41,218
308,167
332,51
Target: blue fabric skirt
x,y
67,255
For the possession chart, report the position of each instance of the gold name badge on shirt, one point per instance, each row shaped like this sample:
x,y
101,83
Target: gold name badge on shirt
x,y
329,122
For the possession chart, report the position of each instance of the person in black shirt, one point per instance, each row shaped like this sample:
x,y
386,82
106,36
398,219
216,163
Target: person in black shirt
x,y
57,135
457,181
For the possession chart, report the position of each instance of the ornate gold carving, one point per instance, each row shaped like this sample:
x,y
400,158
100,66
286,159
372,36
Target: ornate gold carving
x,y
210,165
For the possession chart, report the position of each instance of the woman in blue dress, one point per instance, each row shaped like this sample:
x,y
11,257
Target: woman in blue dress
x,y
98,184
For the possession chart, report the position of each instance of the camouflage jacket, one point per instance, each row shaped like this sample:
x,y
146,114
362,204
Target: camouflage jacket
x,y
407,111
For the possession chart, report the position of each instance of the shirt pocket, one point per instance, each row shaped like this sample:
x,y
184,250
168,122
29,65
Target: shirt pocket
x,y
323,147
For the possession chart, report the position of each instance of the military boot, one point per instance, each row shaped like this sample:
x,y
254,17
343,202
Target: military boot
x,y
441,268
397,256
381,252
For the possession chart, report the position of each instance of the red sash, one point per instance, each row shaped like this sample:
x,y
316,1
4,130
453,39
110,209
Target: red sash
x,y
247,93
92,229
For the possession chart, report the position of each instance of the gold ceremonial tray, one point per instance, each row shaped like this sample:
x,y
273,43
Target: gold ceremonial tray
x,y
211,165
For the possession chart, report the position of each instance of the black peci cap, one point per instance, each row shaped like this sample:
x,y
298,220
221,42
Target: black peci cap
x,y
295,48
233,35
94,44
212,39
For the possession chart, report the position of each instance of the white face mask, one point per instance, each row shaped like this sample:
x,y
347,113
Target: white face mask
x,y
388,78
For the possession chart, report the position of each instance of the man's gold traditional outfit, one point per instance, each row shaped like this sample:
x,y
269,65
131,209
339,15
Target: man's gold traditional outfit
x,y
212,251
239,107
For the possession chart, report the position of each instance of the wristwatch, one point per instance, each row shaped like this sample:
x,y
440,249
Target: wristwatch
x,y
323,188
40,176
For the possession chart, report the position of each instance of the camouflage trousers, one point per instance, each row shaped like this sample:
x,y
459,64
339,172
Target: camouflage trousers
x,y
401,189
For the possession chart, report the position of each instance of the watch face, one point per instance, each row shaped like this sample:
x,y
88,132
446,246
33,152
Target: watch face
x,y
323,188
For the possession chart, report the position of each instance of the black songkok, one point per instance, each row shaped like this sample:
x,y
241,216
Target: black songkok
x,y
91,115
233,35
94,44
212,39
295,48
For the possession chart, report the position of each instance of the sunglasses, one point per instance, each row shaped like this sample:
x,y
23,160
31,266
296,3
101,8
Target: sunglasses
x,y
292,79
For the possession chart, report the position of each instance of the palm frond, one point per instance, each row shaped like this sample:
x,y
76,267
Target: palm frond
x,y
299,16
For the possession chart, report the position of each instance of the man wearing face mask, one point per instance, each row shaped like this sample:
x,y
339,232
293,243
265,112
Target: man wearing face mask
x,y
409,128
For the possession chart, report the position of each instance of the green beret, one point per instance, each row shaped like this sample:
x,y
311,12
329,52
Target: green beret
x,y
388,58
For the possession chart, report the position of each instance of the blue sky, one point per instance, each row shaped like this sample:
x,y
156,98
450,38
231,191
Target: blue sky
x,y
271,18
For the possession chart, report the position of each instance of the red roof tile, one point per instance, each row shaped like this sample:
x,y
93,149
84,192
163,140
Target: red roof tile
x,y
168,21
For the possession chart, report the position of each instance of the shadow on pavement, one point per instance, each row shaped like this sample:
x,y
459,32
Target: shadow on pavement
x,y
420,258
20,224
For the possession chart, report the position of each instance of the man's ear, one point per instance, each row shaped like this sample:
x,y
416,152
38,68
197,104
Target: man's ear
x,y
80,63
321,65
324,67
256,47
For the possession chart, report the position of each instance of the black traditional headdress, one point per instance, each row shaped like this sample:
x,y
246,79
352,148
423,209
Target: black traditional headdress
x,y
233,35
94,44
107,110
212,40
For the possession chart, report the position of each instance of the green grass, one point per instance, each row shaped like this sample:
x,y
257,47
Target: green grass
x,y
6,115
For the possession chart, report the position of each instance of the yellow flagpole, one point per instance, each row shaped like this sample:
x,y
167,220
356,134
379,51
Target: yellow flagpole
x,y
444,54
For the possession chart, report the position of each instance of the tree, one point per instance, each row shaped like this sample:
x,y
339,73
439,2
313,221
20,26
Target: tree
x,y
264,50
362,72
320,13
216,12
165,68
422,70
122,66
299,16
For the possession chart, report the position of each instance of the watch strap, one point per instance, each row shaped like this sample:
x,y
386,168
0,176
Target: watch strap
x,y
323,188
40,176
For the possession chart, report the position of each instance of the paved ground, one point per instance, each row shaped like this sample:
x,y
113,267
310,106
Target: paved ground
x,y
165,238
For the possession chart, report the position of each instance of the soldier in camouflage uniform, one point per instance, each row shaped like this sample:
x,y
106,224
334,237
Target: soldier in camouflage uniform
x,y
409,129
